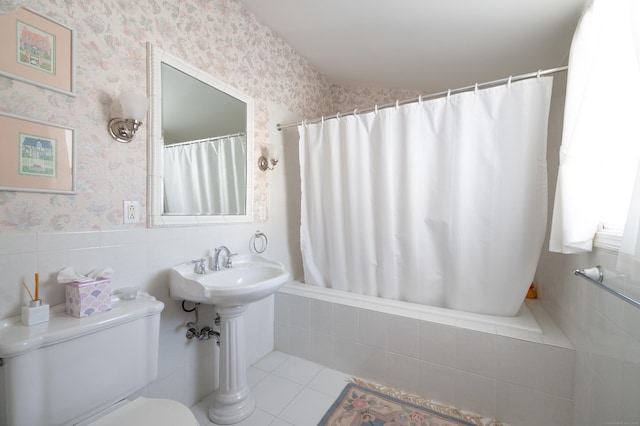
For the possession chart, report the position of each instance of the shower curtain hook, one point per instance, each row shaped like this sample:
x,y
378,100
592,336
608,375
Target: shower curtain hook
x,y
322,119
355,112
448,95
375,109
476,88
304,123
509,82
539,75
338,116
397,103
420,99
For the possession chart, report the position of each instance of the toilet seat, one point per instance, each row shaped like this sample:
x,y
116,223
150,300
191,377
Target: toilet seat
x,y
146,412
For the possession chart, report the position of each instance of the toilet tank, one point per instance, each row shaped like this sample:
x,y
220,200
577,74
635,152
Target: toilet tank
x,y
67,369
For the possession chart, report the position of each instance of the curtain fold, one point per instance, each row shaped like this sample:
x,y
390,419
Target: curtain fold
x,y
207,177
441,202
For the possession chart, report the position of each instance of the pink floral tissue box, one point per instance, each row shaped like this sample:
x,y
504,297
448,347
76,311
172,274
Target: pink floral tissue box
x,y
87,298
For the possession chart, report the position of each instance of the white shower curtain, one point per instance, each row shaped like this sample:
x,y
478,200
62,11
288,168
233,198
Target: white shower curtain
x,y
206,177
441,203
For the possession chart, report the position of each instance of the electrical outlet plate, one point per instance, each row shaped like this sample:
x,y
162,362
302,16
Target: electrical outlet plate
x,y
131,211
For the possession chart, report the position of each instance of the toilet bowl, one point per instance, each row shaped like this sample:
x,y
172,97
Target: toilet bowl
x,y
81,371
144,412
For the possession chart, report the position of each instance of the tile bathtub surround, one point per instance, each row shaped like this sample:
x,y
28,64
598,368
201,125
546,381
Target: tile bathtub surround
x,y
493,374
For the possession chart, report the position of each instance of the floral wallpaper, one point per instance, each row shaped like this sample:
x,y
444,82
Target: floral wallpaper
x,y
220,37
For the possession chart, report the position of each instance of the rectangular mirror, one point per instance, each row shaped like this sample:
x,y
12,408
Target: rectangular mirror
x,y
200,146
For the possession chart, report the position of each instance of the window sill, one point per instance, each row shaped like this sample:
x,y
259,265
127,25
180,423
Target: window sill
x,y
608,240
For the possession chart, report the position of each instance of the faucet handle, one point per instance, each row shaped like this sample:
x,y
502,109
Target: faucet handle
x,y
228,263
200,267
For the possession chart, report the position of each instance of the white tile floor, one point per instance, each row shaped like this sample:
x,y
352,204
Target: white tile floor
x,y
288,391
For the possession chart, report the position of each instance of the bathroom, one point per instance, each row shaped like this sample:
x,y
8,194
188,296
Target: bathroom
x,y
46,232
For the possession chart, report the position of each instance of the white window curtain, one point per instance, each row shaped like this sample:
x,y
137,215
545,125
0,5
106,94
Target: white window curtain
x,y
601,134
206,177
442,202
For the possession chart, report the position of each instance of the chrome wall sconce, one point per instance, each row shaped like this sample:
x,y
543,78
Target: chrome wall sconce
x,y
134,108
273,151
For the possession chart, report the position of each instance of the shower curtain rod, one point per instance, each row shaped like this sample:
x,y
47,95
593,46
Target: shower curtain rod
x,y
431,96
171,145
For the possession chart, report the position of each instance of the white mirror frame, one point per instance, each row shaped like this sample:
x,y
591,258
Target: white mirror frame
x,y
155,178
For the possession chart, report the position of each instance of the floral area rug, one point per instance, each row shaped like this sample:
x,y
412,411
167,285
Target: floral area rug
x,y
366,404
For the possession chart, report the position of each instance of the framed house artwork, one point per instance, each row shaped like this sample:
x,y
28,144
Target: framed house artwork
x,y
37,50
36,156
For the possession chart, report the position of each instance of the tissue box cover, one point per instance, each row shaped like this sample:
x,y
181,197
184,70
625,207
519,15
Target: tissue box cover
x,y
84,299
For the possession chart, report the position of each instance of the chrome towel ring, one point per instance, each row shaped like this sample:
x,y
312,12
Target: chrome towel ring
x,y
259,242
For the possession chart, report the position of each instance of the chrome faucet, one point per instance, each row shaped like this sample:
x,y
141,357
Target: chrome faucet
x,y
200,267
216,258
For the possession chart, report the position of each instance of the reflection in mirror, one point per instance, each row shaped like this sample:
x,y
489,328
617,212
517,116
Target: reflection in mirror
x,y
201,144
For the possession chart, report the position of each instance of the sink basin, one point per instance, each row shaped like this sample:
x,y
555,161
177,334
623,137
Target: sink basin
x,y
251,278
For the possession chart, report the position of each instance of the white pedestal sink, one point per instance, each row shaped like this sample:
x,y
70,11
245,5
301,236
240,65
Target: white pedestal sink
x,y
251,278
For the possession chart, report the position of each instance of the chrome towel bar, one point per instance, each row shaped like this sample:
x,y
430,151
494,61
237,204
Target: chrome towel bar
x,y
597,271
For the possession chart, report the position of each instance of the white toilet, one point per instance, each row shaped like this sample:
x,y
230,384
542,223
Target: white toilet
x,y
79,371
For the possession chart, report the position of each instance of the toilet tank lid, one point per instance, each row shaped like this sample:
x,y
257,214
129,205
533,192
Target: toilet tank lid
x,y
16,338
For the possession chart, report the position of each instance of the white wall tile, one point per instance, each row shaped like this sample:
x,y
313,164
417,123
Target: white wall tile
x,y
476,393
404,373
475,352
373,364
259,340
130,263
631,321
403,336
437,383
16,269
606,393
282,337
321,316
124,237
558,371
299,312
200,374
558,411
631,391
321,348
345,355
171,353
437,343
345,322
11,243
520,363
372,328
283,303
300,340
518,405
48,241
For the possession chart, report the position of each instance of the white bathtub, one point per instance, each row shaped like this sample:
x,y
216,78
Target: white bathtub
x,y
525,322
494,366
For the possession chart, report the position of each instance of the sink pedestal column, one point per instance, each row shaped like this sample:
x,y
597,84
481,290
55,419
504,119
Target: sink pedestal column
x,y
232,402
